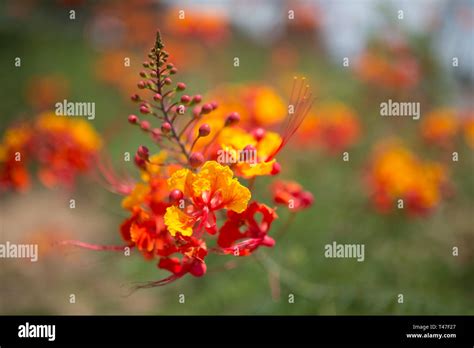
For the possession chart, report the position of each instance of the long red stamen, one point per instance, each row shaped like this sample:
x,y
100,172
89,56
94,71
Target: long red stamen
x,y
301,106
93,246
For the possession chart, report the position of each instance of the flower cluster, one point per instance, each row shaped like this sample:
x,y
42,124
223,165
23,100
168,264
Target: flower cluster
x,y
190,194
61,148
396,173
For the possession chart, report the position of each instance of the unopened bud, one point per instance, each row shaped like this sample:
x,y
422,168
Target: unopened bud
x,y
196,159
204,130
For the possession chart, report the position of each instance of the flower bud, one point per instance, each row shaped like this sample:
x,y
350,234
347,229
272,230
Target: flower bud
x,y
157,97
198,268
214,105
135,98
142,73
196,111
141,84
144,109
145,125
140,162
173,71
258,133
133,119
166,127
185,98
232,119
176,195
204,130
276,168
196,159
167,81
197,98
143,152
156,134
206,108
307,198
181,86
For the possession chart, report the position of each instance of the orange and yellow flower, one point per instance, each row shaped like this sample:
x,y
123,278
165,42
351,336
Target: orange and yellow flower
x,y
211,189
440,127
396,173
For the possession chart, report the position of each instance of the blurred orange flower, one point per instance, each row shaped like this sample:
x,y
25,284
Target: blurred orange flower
x,y
440,127
396,173
335,127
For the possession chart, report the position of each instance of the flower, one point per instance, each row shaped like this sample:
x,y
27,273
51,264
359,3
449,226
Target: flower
x,y
183,192
396,173
15,150
292,195
62,147
440,127
254,233
211,189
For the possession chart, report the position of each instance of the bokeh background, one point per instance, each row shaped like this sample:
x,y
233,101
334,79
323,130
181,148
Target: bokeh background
x,y
407,59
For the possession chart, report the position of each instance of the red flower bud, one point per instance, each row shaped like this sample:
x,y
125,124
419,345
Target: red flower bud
x,y
143,151
141,84
307,198
198,268
142,73
145,125
214,105
135,97
258,133
204,130
206,108
167,81
176,195
166,127
196,159
144,109
185,98
232,119
173,71
181,86
157,97
133,119
276,168
197,98
140,162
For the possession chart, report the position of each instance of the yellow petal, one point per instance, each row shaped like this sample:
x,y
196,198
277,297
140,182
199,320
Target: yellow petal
x,y
177,221
182,180
235,196
136,197
268,145
248,170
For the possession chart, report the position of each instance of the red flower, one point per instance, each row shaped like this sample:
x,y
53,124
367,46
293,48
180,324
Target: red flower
x,y
291,194
255,233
